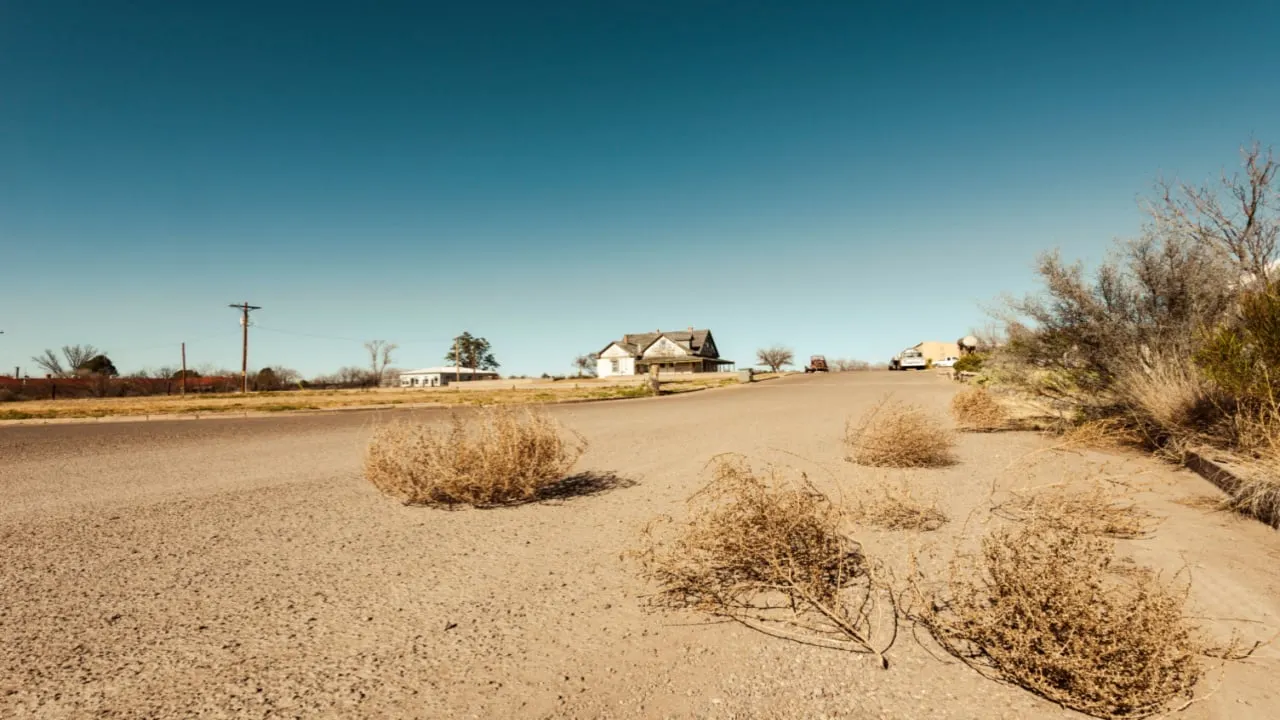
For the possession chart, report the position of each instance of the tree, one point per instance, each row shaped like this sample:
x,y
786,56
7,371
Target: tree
x,y
471,352
266,379
73,357
775,357
99,365
379,357
351,375
191,374
586,365
288,376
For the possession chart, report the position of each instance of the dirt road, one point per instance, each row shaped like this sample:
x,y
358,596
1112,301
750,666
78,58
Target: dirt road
x,y
244,568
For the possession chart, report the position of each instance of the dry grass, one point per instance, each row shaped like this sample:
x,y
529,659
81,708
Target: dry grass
x,y
895,508
893,434
1096,511
1104,433
499,456
1170,401
976,410
1055,613
1258,497
520,393
769,554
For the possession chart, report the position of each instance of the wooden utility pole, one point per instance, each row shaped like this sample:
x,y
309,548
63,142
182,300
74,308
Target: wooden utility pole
x,y
245,308
184,369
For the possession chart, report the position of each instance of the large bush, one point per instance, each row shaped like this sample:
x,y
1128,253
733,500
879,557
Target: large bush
x,y
1088,340
499,456
1243,354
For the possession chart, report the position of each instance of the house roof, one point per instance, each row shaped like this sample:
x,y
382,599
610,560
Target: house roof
x,y
636,343
450,369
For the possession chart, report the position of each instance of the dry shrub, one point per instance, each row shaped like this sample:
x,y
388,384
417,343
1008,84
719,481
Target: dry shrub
x,y
1257,497
896,509
1055,613
769,554
1095,511
1169,399
498,456
894,434
1100,433
975,409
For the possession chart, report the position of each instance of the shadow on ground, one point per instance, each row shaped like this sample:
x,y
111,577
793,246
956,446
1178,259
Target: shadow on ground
x,y
583,484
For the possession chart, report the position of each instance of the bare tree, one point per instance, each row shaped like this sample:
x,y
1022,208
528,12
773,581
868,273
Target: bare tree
x,y
287,376
849,365
585,364
379,356
1237,219
73,357
775,357
352,375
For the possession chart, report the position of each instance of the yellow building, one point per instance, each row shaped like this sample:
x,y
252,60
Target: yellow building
x,y
933,351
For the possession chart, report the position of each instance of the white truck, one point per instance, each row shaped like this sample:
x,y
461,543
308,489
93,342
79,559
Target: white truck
x,y
909,359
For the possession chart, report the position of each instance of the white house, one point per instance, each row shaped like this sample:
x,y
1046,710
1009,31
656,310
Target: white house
x,y
438,376
684,351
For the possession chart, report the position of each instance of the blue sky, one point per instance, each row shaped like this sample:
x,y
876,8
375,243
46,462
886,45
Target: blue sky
x,y
843,178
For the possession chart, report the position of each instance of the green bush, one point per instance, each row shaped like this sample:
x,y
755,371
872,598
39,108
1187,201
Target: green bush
x,y
970,363
1243,355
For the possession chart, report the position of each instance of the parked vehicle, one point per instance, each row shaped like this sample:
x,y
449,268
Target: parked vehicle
x,y
909,359
947,362
817,363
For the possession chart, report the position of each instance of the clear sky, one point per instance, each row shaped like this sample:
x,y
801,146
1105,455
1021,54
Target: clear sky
x,y
844,178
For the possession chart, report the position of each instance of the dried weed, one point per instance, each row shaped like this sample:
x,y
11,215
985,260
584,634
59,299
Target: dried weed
x,y
895,508
1096,511
1258,497
499,456
976,410
1054,612
770,554
894,434
1104,433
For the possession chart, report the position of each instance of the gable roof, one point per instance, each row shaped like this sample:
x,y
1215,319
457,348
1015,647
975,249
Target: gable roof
x,y
694,341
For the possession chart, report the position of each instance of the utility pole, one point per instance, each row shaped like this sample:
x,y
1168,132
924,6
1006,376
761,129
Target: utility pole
x,y
184,369
245,308
457,362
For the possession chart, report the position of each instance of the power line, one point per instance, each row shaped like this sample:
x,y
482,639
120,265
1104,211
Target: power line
x,y
347,339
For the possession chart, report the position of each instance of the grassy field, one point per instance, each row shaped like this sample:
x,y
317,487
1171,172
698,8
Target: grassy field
x,y
301,400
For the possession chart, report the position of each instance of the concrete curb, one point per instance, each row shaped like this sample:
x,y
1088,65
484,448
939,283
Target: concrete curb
x,y
1218,474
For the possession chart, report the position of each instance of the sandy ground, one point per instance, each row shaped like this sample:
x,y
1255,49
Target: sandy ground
x,y
244,568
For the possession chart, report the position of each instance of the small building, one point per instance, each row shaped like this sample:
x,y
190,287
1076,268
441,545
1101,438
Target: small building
x,y
934,350
683,351
441,376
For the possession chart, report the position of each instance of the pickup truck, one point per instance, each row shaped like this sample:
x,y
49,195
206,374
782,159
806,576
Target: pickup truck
x,y
817,363
909,359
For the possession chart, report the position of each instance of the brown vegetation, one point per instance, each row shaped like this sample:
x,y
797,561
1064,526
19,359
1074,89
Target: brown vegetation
x,y
895,508
1095,511
1055,613
975,409
769,554
1258,496
499,456
1176,337
894,434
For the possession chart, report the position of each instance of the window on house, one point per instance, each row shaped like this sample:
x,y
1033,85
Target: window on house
x,y
615,365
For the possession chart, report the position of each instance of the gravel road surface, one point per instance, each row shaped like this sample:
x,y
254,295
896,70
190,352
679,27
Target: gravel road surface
x,y
244,568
